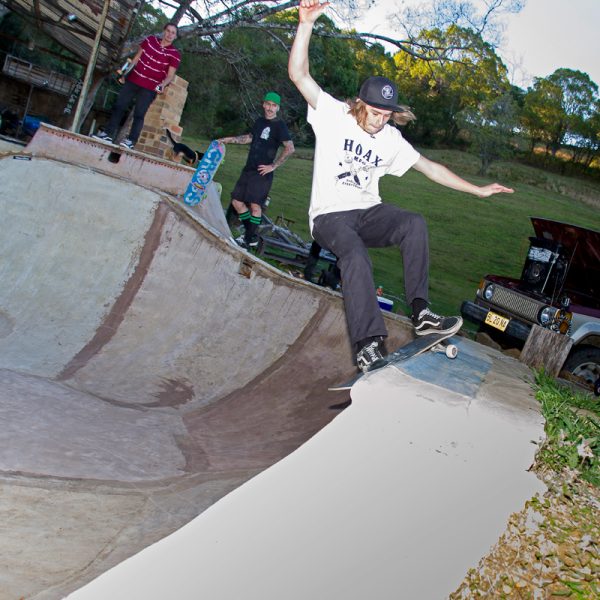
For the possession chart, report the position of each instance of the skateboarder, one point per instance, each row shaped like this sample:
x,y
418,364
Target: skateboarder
x,y
252,188
355,147
153,68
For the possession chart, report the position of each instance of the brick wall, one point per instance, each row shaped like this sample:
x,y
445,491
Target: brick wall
x,y
164,112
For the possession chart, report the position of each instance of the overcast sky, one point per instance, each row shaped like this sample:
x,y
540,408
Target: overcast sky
x,y
544,36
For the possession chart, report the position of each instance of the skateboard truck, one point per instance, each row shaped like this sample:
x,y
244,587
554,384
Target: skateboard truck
x,y
444,347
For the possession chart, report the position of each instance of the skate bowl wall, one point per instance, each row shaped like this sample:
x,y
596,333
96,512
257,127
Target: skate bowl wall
x,y
122,305
148,366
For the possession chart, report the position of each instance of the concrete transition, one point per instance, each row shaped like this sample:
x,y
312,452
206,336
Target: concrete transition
x,y
157,380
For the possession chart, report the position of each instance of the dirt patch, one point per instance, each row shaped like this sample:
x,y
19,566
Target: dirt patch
x,y
549,550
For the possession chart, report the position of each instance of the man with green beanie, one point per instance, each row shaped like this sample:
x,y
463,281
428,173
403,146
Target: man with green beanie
x,y
252,188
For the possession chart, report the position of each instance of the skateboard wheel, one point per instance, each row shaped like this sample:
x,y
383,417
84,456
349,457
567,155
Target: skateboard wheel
x,y
451,351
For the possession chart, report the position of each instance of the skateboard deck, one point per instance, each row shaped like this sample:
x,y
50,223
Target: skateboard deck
x,y
207,167
435,342
121,73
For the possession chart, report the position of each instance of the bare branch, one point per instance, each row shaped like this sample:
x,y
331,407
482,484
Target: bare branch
x,y
221,16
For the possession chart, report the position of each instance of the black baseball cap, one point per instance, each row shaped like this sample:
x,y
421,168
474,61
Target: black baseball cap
x,y
380,92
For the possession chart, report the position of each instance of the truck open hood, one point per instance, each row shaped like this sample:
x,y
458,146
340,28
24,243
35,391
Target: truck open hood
x,y
582,247
582,244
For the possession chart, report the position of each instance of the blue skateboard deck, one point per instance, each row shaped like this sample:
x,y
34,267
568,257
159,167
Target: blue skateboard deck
x,y
207,167
435,341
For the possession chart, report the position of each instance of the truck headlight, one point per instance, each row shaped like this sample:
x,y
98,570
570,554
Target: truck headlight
x,y
488,292
547,315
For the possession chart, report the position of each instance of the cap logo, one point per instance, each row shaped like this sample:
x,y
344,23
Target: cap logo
x,y
387,92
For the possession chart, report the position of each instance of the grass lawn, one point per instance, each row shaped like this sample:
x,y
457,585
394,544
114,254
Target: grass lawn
x,y
469,236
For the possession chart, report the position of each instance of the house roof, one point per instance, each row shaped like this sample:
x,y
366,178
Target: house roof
x,y
74,23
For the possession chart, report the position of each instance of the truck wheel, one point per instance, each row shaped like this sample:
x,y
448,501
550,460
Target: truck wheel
x,y
584,362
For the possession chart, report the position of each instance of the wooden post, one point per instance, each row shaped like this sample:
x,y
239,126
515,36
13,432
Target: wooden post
x,y
90,69
547,349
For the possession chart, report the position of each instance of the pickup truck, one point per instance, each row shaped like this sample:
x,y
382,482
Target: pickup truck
x,y
559,289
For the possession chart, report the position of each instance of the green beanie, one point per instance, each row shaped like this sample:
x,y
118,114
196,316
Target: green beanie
x,y
272,97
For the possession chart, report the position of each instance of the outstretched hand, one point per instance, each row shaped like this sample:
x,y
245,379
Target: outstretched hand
x,y
493,188
310,10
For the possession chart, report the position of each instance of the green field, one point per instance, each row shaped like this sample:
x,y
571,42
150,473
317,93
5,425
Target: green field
x,y
469,236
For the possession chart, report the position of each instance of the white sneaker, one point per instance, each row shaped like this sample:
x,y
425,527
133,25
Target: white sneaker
x,y
100,135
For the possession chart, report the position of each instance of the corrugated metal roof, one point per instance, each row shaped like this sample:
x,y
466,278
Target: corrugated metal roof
x,y
74,23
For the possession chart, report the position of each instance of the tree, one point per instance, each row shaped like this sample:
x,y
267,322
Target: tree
x,y
242,64
441,69
439,91
491,127
557,107
213,18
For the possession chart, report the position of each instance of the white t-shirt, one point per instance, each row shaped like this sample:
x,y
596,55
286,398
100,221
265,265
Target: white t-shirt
x,y
349,161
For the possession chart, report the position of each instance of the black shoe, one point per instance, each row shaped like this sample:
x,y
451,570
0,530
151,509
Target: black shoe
x,y
241,242
253,242
428,322
369,357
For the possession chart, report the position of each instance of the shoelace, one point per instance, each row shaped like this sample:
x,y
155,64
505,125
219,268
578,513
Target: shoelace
x,y
428,313
370,350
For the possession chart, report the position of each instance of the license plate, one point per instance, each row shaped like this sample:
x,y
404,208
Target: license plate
x,y
496,321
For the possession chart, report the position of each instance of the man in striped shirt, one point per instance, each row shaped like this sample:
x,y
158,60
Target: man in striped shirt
x,y
151,70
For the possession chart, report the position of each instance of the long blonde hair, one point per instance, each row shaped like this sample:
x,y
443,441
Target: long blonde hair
x,y
358,109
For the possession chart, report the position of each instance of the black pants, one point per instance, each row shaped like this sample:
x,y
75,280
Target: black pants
x,y
348,234
143,99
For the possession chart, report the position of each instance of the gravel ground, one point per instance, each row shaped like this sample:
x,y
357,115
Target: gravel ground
x,y
550,550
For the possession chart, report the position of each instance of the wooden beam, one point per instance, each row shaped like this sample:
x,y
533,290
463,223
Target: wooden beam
x,y
90,69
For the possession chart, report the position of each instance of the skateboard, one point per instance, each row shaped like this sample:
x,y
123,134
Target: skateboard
x,y
207,167
434,342
121,73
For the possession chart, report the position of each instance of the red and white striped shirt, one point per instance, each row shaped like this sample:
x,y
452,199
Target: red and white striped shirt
x,y
153,64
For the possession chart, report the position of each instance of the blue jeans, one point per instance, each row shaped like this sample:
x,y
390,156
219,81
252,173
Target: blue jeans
x,y
143,99
348,234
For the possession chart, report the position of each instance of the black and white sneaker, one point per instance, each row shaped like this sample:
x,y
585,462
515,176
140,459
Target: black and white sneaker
x,y
104,137
428,322
127,143
241,242
369,357
253,243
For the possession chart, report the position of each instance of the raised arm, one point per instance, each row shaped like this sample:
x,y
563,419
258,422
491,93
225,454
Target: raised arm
x,y
298,67
446,177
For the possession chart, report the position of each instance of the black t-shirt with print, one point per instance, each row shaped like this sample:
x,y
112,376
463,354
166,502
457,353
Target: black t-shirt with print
x,y
267,136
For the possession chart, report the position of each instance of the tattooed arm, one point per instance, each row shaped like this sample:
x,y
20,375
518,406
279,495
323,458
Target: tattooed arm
x,y
288,150
246,138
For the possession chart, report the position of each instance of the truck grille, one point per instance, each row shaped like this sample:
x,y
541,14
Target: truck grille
x,y
516,303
